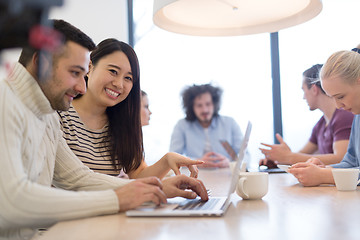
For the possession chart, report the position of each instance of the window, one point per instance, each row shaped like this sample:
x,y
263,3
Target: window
x,y
241,67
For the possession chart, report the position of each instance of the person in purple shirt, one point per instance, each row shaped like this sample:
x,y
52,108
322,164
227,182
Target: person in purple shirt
x,y
340,78
330,136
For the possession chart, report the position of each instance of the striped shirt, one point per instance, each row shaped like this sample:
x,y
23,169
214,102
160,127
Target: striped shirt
x,y
88,145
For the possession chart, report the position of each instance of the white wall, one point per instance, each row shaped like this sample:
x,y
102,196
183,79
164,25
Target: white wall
x,y
98,19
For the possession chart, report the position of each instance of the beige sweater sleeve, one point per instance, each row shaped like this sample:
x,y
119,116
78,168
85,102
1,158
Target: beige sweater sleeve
x,y
72,174
25,203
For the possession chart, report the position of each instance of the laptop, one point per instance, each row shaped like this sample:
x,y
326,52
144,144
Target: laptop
x,y
215,206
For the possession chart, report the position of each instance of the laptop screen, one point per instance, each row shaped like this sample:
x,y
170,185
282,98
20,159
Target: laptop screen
x,y
239,158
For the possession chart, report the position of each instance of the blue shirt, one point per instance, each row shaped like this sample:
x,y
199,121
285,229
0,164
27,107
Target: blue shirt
x,y
189,138
352,156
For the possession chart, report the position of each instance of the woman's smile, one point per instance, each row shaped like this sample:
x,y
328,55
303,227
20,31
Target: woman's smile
x,y
112,93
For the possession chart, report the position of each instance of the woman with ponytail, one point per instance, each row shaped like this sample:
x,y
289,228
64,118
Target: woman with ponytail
x,y
340,78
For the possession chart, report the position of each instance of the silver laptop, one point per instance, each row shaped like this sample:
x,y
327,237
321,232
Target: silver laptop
x,y
215,206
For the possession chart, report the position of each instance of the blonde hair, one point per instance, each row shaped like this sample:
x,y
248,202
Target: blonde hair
x,y
344,65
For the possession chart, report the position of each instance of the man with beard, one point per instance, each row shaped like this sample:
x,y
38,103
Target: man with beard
x,y
202,133
41,180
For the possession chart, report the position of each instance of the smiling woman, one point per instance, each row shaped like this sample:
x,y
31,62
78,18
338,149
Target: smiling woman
x,y
103,127
108,137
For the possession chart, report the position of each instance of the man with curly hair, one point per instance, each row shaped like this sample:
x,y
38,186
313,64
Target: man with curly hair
x,y
202,133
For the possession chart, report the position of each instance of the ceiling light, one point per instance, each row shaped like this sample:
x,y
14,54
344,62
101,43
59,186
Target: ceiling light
x,y
232,17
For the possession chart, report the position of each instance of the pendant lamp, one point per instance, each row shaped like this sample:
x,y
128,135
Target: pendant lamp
x,y
232,17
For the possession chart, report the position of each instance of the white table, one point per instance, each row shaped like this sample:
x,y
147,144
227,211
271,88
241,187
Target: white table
x,y
288,211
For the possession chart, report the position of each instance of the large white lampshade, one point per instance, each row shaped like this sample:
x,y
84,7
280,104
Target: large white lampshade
x,y
232,17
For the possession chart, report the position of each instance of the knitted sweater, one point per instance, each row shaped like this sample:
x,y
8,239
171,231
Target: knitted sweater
x,y
33,156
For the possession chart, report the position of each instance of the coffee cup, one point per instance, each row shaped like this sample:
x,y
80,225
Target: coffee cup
x,y
252,185
346,179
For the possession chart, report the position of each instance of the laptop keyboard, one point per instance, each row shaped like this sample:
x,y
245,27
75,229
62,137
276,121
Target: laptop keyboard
x,y
197,204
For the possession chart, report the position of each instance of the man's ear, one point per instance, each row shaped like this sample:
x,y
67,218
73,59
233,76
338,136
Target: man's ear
x,y
38,59
33,65
91,66
35,59
315,89
42,64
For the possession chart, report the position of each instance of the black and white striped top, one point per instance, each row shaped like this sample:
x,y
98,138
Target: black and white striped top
x,y
87,144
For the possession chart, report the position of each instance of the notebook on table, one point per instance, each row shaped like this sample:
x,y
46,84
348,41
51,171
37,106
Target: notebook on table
x,y
215,206
270,170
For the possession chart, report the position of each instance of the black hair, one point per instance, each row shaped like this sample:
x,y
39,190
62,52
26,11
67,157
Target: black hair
x,y
191,92
68,33
312,77
125,133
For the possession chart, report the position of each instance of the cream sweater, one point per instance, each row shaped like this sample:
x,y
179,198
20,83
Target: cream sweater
x,y
34,155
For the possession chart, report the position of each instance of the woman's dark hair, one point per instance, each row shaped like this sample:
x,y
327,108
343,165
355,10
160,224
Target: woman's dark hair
x,y
312,76
191,92
125,134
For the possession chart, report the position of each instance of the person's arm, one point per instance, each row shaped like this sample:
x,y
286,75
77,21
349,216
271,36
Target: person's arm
x,y
130,194
310,174
177,142
140,191
351,158
339,148
169,161
71,174
282,154
180,185
151,189
27,199
214,160
302,156
309,148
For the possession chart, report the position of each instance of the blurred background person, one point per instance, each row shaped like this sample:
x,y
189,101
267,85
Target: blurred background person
x,y
340,78
198,135
330,136
145,110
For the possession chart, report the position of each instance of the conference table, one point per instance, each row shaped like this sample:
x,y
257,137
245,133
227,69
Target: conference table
x,y
288,211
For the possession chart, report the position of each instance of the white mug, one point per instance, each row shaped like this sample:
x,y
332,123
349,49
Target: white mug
x,y
346,179
252,185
